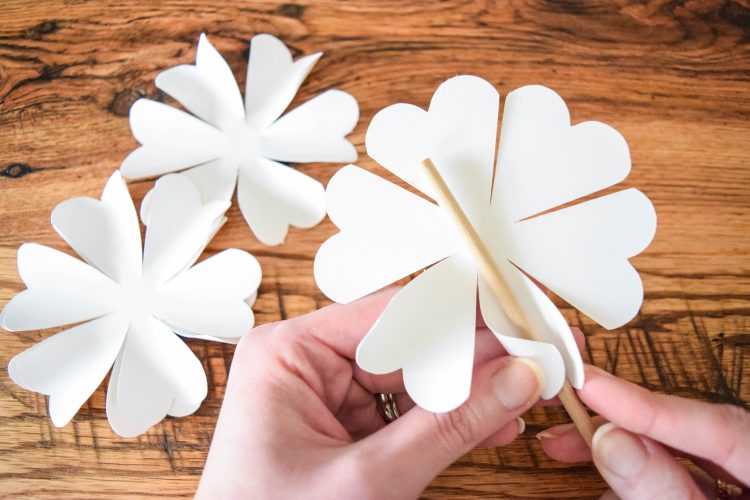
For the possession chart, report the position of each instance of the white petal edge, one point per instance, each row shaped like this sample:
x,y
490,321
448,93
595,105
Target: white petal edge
x,y
581,253
273,196
207,89
458,133
156,373
554,350
538,142
61,290
428,330
179,227
314,131
209,298
272,79
215,180
171,140
104,233
386,234
70,365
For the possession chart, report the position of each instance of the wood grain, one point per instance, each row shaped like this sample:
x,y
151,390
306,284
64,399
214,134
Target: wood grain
x,y
673,77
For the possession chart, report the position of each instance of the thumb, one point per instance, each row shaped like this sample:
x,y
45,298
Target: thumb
x,y
636,467
414,449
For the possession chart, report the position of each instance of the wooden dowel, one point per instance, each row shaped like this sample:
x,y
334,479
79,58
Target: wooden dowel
x,y
503,293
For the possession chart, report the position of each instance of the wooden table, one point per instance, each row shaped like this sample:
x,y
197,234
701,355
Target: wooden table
x,y
673,77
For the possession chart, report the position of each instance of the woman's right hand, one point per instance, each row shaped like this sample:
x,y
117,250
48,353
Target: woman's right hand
x,y
635,452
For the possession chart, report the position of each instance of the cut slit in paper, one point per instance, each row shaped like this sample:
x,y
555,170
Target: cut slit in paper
x,y
580,252
131,302
224,143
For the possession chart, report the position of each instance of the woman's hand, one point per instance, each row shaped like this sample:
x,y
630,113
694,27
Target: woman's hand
x,y
635,453
299,418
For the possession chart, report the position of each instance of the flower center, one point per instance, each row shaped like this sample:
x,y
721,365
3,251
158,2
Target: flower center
x,y
136,298
243,143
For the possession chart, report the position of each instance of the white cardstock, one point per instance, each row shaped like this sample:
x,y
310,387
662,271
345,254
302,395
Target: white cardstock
x,y
225,143
128,303
580,251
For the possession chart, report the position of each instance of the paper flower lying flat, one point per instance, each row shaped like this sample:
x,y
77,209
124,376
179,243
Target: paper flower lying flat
x,y
227,138
580,252
130,302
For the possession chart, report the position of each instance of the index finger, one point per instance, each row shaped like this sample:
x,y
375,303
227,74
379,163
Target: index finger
x,y
342,326
718,433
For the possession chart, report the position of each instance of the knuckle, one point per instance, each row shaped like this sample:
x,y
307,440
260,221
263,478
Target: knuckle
x,y
458,428
733,416
736,421
251,341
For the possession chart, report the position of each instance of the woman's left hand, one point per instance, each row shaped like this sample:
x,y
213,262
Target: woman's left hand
x,y
299,418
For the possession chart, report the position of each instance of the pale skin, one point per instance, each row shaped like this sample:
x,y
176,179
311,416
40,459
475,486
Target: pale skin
x,y
299,419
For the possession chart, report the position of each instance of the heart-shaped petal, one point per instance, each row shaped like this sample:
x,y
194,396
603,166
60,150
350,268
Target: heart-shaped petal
x,y
171,140
208,300
314,131
272,79
387,233
155,373
428,331
104,233
179,227
581,253
543,162
458,134
70,365
273,196
207,89
554,348
61,290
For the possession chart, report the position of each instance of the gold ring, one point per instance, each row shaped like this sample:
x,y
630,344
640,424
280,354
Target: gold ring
x,y
725,490
387,407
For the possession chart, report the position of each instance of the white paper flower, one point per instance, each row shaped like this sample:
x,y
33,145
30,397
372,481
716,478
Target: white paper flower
x,y
580,252
226,138
129,302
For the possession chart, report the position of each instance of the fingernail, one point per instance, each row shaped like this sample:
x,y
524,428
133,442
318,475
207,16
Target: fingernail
x,y
521,425
621,452
518,384
555,431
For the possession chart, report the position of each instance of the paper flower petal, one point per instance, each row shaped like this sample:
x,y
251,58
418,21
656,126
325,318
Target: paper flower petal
x,y
104,233
154,370
314,131
181,409
386,234
272,79
179,226
273,196
428,330
209,298
215,180
543,162
70,365
61,290
458,134
581,253
207,89
171,140
555,351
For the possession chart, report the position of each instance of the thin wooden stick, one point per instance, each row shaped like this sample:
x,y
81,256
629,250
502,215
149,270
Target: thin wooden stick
x,y
503,293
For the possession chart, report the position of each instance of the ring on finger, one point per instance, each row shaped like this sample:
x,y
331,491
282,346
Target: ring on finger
x,y
725,490
387,406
